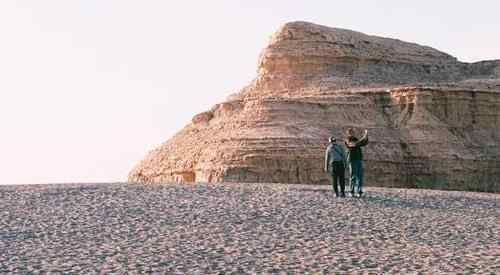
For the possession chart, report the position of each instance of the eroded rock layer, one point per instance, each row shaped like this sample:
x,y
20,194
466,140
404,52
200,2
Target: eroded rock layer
x,y
433,121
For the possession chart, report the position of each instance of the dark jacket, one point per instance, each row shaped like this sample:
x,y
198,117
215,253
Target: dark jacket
x,y
354,153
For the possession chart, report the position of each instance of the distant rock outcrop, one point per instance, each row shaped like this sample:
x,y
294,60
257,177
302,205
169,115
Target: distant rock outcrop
x,y
433,121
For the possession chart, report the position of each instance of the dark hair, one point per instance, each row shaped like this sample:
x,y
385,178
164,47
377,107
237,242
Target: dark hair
x,y
332,139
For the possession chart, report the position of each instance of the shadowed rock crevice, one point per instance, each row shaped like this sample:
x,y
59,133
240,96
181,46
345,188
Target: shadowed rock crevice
x,y
434,121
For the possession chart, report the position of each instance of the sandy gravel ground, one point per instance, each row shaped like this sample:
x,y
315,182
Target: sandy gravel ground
x,y
251,228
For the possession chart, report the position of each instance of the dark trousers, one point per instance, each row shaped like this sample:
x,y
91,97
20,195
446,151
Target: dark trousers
x,y
338,176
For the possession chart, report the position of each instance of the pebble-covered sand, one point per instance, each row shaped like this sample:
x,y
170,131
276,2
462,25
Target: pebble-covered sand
x,y
245,229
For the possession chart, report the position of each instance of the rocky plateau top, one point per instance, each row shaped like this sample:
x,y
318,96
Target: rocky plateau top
x,y
434,121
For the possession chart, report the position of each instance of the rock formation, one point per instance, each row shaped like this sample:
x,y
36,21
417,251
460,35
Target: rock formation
x,y
433,121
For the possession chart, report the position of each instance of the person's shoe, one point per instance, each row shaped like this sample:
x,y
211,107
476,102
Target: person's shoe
x,y
360,194
336,194
342,195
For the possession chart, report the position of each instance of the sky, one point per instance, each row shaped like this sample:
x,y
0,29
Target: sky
x,y
88,87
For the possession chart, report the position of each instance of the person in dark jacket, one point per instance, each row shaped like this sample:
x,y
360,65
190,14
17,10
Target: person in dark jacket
x,y
335,164
355,161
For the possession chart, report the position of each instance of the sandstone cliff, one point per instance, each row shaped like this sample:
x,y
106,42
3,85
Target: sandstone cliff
x,y
433,121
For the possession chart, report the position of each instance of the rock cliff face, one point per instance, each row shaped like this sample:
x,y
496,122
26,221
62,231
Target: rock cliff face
x,y
433,121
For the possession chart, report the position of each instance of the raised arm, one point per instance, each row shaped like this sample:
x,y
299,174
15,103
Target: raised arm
x,y
359,143
364,140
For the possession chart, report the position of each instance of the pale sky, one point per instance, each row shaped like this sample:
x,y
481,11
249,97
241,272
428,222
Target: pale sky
x,y
88,87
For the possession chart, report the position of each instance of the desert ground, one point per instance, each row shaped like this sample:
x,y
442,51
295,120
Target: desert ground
x,y
124,228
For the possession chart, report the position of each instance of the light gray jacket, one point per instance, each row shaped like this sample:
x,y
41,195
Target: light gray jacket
x,y
334,152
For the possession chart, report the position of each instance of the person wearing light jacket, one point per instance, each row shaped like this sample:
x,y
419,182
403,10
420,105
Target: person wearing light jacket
x,y
335,164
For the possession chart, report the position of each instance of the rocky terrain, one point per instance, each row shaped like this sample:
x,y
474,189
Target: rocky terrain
x,y
434,122
245,229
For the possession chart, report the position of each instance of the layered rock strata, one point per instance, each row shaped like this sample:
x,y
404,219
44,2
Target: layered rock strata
x,y
433,121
